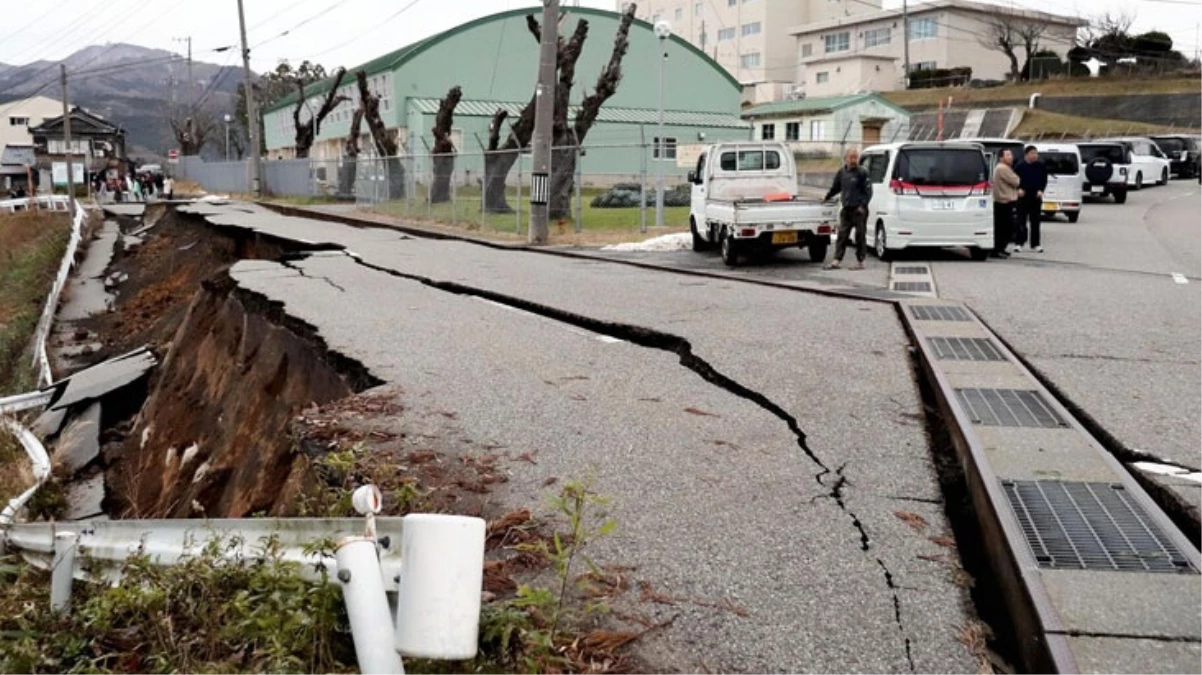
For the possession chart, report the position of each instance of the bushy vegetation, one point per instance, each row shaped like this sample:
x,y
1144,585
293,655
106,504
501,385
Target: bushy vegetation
x,y
626,195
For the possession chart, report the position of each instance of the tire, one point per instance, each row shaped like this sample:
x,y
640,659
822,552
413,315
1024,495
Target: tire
x,y
1120,197
1073,216
1164,177
1139,180
880,245
699,244
979,254
730,253
817,248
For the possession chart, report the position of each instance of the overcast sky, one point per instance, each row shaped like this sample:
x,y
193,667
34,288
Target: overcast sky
x,y
349,32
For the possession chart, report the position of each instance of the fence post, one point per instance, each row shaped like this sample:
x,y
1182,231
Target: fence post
x,y
579,198
517,212
642,179
62,571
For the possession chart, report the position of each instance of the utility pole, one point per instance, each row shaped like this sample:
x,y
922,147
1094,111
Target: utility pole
x,y
662,32
906,42
191,82
252,111
544,114
67,139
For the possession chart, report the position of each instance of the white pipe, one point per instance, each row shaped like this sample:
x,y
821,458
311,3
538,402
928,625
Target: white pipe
x,y
442,575
1033,99
367,606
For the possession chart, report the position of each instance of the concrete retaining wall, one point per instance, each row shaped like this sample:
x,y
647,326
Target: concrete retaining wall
x,y
1181,110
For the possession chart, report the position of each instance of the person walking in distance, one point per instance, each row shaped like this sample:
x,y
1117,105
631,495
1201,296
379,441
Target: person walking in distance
x,y
1005,193
852,184
1033,180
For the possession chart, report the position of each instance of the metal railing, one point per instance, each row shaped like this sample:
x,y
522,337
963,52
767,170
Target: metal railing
x,y
41,358
47,202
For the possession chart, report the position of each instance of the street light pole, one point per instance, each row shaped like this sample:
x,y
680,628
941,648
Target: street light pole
x,y
227,119
663,30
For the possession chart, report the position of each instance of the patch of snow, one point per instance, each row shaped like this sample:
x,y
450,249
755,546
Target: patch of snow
x,y
680,241
214,198
1162,469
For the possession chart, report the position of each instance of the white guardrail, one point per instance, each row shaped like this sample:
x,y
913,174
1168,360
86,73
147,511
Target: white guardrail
x,y
37,457
48,202
41,357
433,563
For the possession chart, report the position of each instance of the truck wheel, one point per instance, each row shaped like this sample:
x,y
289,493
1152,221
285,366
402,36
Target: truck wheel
x,y
1073,216
880,245
979,254
817,248
730,255
1120,196
699,244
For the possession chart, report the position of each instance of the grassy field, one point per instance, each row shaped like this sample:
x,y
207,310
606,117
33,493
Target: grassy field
x,y
1021,92
1037,124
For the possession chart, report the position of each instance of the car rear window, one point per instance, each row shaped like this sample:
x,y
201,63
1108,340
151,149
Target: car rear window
x,y
750,160
1111,152
941,166
1060,163
1170,144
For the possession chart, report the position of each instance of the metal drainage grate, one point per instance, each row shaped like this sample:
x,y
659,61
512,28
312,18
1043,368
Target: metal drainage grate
x,y
912,286
965,349
911,269
1091,526
1009,408
939,313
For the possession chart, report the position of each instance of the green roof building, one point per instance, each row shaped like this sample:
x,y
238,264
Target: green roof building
x,y
494,60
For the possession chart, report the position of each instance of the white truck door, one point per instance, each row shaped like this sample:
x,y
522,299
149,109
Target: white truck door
x,y
697,194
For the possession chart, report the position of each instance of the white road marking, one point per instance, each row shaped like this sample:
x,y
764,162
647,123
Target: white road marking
x,y
1180,278
568,327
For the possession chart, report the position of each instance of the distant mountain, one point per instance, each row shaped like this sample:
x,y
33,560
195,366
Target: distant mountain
x,y
134,91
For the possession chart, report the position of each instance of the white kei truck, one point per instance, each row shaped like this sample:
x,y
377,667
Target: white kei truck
x,y
745,202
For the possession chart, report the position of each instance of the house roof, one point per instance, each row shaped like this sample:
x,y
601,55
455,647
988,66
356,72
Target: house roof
x,y
396,58
82,121
680,118
936,5
816,105
18,154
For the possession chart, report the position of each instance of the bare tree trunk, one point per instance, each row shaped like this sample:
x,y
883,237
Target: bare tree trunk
x,y
385,140
348,171
307,131
444,148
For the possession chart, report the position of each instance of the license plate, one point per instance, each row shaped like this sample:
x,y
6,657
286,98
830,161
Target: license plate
x,y
1096,189
1049,206
787,237
943,205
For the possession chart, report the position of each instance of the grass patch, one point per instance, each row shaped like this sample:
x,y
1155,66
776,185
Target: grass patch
x,y
16,472
1038,124
31,249
1093,86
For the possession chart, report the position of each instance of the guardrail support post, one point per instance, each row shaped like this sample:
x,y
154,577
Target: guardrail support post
x,y
62,571
367,606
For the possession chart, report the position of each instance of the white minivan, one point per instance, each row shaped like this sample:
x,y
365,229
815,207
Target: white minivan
x,y
1149,165
1065,179
929,195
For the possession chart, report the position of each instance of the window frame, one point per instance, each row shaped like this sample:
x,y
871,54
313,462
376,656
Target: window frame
x,y
792,131
876,34
743,60
842,39
757,25
670,148
822,77
925,22
768,131
820,125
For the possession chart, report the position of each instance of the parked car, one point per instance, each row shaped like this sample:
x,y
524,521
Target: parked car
x,y
993,149
1106,166
744,200
1183,155
1149,166
1065,179
929,195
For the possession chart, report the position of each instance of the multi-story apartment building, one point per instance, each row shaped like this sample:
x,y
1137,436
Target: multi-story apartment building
x,y
865,52
752,39
17,117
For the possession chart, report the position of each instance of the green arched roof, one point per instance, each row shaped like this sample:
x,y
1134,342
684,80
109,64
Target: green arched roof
x,y
398,57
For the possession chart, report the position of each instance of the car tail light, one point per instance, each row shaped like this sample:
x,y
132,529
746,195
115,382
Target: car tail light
x,y
824,229
979,189
902,187
747,232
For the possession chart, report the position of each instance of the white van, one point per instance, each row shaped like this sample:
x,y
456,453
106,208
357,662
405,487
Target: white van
x,y
931,195
1065,179
1149,166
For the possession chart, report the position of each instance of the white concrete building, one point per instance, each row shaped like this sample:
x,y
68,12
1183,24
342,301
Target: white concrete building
x,y
865,51
750,38
18,117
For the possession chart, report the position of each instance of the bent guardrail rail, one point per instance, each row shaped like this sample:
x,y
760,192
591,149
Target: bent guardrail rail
x,y
41,468
41,357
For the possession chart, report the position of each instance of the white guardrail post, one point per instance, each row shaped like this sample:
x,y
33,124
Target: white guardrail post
x,y
62,570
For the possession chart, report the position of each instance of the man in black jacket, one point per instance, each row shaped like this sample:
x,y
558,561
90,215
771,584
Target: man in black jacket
x,y
852,183
1032,181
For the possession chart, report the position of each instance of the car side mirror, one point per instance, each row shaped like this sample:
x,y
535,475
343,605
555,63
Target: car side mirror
x,y
693,178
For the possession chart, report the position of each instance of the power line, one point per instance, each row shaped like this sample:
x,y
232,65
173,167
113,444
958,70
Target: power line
x,y
378,25
316,16
43,16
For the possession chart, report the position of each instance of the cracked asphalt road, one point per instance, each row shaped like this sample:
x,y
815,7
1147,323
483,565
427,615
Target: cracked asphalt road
x,y
694,402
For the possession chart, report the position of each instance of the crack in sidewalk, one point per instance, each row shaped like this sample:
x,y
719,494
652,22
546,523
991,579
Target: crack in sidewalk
x,y
288,263
646,337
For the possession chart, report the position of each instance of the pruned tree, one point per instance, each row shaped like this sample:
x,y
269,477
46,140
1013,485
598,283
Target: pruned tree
x,y
191,128
271,87
1000,34
384,140
350,155
1029,34
307,131
444,148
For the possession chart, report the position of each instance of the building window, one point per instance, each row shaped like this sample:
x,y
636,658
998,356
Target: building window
x,y
923,65
678,14
817,130
18,121
823,77
731,3
922,29
696,8
669,148
751,29
751,60
875,38
838,42
725,34
768,132
807,49
792,131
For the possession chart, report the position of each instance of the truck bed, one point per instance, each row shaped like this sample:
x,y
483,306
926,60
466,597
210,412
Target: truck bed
x,y
796,213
